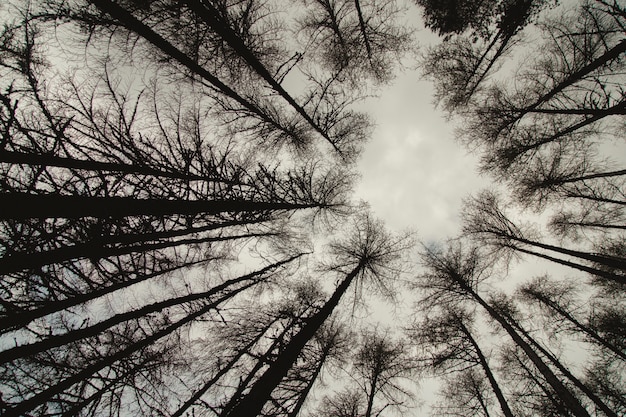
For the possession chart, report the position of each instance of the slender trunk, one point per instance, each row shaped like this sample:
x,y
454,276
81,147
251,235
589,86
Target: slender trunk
x,y
571,129
20,318
561,390
252,404
22,206
371,395
605,58
593,397
492,62
262,361
210,16
136,26
305,392
570,194
596,175
593,271
84,402
96,250
44,396
609,261
363,28
504,405
98,166
481,400
596,225
585,329
223,371
79,334
541,385
581,112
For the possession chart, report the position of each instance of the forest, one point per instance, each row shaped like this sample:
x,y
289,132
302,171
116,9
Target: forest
x,y
180,233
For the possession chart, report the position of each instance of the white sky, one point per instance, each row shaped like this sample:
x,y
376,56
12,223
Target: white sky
x,y
414,175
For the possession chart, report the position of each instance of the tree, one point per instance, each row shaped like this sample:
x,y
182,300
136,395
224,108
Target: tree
x,y
356,40
380,365
540,134
509,311
459,66
448,346
367,255
486,223
465,393
560,298
446,18
146,326
454,275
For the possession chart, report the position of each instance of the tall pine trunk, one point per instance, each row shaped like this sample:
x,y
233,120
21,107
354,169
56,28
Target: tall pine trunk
x,y
252,404
79,334
22,206
495,387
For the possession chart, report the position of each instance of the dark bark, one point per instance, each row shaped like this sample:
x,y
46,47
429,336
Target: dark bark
x,y
21,206
592,396
267,358
75,335
252,404
210,16
521,149
34,159
47,394
610,55
20,318
580,112
136,26
309,386
504,405
594,225
371,395
223,371
609,261
559,388
96,249
363,27
580,326
594,271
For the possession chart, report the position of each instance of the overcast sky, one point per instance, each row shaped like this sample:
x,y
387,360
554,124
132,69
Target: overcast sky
x,y
413,172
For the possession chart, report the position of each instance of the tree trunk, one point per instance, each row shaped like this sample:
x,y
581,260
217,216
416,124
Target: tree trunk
x,y
589,270
265,359
609,261
371,395
22,206
210,16
592,396
561,390
570,129
252,404
20,318
96,249
75,335
136,26
605,58
504,405
305,392
44,396
98,166
223,371
363,28
585,329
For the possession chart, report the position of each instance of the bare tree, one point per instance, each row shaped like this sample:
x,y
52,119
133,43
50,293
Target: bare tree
x,y
367,255
448,345
455,274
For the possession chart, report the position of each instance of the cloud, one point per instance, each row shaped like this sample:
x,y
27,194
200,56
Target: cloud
x,y
413,172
